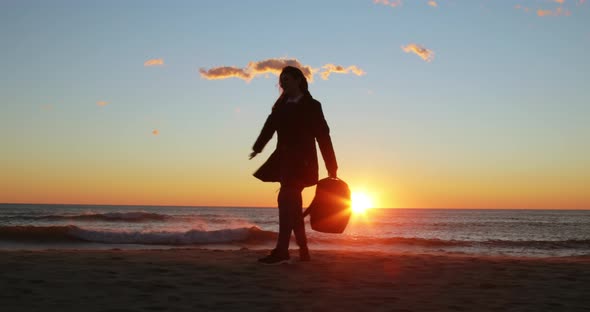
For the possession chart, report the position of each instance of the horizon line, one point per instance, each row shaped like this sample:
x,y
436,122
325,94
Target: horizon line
x,y
275,207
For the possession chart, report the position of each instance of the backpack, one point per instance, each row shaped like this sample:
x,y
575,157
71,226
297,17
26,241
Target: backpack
x,y
330,208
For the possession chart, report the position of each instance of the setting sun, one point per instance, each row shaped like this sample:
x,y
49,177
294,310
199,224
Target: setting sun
x,y
360,202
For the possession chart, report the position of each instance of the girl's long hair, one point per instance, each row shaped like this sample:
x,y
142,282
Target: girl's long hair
x,y
296,73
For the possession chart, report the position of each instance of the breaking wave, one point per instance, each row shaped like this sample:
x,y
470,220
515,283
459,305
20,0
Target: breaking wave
x,y
110,216
249,235
73,234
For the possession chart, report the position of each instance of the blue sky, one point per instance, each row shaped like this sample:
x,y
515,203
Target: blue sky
x,y
498,116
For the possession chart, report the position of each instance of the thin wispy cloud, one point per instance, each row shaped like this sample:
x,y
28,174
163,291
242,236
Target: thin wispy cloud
x,y
391,3
154,62
424,53
329,69
539,9
557,12
543,11
275,66
225,72
102,103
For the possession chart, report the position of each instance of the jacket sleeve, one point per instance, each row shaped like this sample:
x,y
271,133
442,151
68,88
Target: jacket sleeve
x,y
266,134
322,135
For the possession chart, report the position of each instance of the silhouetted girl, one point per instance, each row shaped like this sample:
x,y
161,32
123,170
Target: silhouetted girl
x,y
299,121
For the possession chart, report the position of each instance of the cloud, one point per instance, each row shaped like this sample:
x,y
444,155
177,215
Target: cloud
x,y
426,54
432,3
156,132
275,66
225,72
557,12
154,62
329,69
391,3
102,103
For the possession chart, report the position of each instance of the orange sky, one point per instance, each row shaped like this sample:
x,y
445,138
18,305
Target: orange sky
x,y
477,105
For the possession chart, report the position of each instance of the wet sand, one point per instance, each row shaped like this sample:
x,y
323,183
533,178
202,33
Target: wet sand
x,y
209,280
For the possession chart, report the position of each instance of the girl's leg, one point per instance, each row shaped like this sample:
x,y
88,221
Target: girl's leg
x,y
290,217
297,217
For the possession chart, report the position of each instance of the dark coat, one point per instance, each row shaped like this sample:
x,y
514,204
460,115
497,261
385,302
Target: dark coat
x,y
298,126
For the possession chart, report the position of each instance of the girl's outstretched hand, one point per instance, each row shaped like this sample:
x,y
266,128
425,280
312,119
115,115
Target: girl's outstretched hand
x,y
252,155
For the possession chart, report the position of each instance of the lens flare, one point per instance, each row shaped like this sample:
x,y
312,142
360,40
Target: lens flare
x,y
360,202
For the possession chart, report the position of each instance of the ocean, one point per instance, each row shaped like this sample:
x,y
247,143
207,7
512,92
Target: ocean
x,y
531,233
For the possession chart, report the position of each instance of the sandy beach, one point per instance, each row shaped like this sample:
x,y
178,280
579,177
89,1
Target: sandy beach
x,y
215,280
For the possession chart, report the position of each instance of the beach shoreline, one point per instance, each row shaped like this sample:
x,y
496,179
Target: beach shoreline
x,y
232,280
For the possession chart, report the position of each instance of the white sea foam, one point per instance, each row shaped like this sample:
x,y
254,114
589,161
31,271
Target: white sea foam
x,y
192,237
